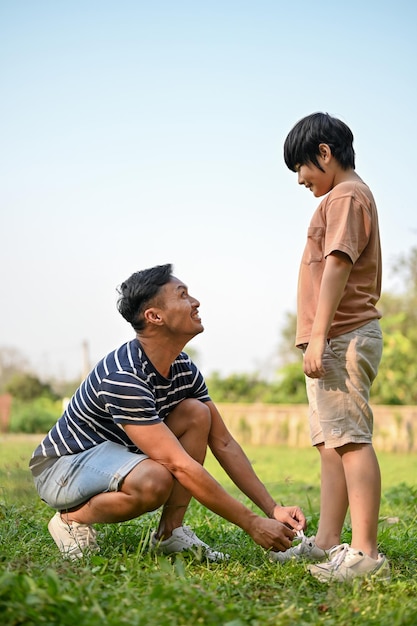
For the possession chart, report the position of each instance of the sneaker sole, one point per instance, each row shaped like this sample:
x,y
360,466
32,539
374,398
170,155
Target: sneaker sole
x,y
382,574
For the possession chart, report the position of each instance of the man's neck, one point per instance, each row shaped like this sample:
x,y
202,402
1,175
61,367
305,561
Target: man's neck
x,y
160,352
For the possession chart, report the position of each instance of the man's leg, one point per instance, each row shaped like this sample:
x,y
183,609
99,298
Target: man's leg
x,y
145,488
149,485
190,422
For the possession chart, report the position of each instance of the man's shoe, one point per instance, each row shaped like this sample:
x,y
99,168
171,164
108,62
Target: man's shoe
x,y
72,539
346,563
306,550
183,538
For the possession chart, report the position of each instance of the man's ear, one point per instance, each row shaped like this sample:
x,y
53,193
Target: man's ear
x,y
153,316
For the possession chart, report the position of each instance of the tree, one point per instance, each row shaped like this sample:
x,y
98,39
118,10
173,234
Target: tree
x,y
399,325
287,351
237,388
11,363
27,387
291,385
398,365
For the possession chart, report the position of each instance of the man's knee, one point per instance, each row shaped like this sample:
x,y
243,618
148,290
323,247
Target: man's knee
x,y
198,413
150,483
189,414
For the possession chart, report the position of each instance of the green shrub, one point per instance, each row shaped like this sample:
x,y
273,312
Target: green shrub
x,y
37,416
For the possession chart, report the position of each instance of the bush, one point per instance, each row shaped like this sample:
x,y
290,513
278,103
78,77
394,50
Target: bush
x,y
27,387
37,416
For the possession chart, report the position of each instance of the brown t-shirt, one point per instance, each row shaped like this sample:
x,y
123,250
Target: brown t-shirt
x,y
346,220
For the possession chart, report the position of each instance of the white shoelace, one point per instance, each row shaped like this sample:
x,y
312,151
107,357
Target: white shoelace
x,y
84,535
194,539
337,555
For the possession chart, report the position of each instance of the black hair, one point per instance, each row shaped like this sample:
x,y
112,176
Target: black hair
x,y
137,291
302,143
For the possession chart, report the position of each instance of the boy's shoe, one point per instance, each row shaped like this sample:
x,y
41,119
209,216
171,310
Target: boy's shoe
x,y
183,538
346,563
306,550
72,539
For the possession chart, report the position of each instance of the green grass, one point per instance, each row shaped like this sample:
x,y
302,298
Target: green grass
x,y
124,584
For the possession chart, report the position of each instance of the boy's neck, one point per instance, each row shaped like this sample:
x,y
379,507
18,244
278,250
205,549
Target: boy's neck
x,y
344,176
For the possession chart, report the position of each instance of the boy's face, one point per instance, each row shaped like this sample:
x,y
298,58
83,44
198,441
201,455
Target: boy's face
x,y
314,178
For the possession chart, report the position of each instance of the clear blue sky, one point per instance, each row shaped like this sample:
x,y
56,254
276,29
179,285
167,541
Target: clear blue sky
x,y
136,133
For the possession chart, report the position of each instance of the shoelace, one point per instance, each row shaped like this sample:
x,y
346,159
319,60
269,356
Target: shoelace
x,y
337,555
187,531
84,535
195,541
304,546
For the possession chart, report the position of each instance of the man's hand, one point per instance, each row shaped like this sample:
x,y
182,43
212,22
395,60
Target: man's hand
x,y
271,534
291,516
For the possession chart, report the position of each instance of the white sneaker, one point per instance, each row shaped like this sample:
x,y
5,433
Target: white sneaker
x,y
183,538
72,539
346,563
306,550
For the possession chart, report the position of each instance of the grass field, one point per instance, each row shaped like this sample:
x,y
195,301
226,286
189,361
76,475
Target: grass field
x,y
125,584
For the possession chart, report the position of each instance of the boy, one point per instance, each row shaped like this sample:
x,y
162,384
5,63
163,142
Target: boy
x,y
339,333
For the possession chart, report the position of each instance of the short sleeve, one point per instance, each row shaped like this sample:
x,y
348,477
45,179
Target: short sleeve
x,y
128,399
348,227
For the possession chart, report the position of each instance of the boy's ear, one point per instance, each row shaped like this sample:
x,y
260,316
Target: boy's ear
x,y
325,150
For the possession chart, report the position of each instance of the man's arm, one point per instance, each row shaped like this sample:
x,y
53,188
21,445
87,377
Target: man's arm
x,y
335,276
237,465
161,445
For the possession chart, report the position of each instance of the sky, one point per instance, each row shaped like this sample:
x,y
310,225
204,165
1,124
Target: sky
x,y
137,133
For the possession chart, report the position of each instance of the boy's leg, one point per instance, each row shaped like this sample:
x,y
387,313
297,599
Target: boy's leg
x,y
333,498
339,411
363,479
333,492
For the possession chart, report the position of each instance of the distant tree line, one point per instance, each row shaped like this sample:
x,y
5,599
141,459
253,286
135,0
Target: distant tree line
x,y
37,404
396,383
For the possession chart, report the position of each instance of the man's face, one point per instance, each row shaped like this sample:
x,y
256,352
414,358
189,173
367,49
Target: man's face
x,y
179,310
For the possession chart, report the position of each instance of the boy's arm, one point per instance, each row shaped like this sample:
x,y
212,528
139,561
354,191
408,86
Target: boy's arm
x,y
335,276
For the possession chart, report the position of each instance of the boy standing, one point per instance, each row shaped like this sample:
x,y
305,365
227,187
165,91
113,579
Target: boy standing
x,y
339,333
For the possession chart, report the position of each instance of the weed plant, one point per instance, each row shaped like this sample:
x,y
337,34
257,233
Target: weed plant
x,y
126,584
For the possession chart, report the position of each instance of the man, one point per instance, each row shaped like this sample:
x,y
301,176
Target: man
x,y
134,437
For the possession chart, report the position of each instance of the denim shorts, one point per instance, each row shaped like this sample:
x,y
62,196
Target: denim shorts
x,y
70,480
339,409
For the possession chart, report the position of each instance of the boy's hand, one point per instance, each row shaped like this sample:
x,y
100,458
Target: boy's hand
x,y
336,273
313,358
